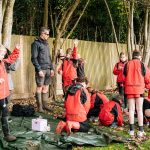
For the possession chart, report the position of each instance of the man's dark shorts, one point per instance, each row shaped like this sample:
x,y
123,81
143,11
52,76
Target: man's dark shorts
x,y
46,80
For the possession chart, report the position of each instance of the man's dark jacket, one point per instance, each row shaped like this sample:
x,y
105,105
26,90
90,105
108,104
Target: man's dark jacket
x,y
40,55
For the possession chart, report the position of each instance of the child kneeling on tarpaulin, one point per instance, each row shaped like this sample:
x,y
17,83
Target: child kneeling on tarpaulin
x,y
77,105
111,113
98,99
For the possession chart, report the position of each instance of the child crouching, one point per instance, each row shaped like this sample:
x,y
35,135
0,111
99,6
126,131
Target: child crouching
x,y
111,113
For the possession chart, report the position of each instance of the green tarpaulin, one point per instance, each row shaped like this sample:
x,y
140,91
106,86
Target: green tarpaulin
x,y
31,140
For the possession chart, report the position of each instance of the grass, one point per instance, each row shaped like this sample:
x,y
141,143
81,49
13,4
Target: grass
x,y
136,144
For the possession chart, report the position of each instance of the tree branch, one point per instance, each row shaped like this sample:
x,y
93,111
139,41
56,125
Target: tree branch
x,y
7,23
68,15
112,26
76,22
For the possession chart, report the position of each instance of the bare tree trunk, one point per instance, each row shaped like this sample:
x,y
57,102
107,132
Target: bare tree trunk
x,y
146,28
45,18
132,26
135,43
127,10
96,34
7,23
1,21
32,20
114,31
52,88
52,22
148,41
4,4
59,32
119,33
31,27
130,42
87,32
140,43
62,26
147,58
100,33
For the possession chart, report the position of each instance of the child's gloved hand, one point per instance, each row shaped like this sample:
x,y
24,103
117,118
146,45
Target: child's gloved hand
x,y
17,46
120,68
1,80
75,42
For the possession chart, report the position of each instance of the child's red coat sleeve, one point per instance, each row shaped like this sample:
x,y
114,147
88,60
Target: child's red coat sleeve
x,y
149,94
74,55
147,78
13,56
116,71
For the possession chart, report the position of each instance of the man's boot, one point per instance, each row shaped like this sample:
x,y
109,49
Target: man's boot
x,y
72,125
5,128
45,101
60,127
39,102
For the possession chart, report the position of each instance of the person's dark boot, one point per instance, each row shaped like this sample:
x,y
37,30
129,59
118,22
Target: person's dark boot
x,y
45,101
9,98
39,102
5,128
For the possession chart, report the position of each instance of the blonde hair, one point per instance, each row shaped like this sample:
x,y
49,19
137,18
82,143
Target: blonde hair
x,y
68,50
120,55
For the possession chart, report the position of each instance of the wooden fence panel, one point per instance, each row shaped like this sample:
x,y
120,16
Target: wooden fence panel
x,y
100,60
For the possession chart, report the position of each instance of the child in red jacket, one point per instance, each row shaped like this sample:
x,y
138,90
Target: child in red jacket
x,y
4,89
111,113
77,105
135,79
118,71
98,99
68,67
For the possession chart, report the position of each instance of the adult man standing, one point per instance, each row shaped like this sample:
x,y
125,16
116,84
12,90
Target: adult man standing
x,y
41,59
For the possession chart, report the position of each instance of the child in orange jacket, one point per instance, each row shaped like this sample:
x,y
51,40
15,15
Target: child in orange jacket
x,y
4,89
68,67
77,105
111,113
136,76
118,71
98,99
